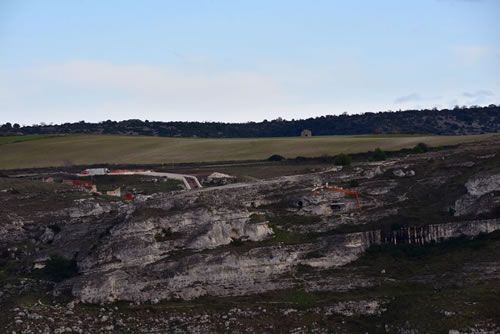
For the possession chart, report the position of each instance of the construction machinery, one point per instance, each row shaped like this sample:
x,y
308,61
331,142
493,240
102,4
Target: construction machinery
x,y
338,189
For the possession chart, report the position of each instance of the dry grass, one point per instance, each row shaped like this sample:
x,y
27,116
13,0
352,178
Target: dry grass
x,y
96,149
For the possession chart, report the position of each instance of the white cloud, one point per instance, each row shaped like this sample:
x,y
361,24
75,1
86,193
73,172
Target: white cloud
x,y
478,93
449,100
471,54
479,97
164,85
414,97
96,91
408,98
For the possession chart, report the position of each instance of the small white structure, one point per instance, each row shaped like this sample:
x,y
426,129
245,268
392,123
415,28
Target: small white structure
x,y
306,133
219,179
95,171
116,193
217,175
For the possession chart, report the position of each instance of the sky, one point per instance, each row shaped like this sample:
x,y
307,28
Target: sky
x,y
239,61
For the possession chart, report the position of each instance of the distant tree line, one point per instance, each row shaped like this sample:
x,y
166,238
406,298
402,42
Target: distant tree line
x,y
457,121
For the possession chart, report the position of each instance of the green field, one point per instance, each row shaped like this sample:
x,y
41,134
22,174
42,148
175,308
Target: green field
x,y
46,151
17,139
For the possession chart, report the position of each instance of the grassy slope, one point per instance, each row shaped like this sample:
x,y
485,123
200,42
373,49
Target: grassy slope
x,y
95,149
17,139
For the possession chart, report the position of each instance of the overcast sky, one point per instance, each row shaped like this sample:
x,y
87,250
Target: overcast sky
x,y
243,60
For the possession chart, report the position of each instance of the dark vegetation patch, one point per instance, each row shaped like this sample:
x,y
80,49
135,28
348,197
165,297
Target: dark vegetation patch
x,y
58,269
143,214
353,183
237,242
108,198
257,218
460,120
313,255
343,160
9,270
289,220
421,148
105,233
276,157
302,269
378,155
280,237
299,298
285,237
166,234
15,138
55,228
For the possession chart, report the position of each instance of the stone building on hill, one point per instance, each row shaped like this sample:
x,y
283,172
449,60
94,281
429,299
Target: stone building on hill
x,y
306,133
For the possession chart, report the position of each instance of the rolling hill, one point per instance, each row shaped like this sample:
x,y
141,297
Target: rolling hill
x,y
459,121
46,151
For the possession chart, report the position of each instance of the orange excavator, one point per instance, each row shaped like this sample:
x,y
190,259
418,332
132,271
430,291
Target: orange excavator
x,y
339,189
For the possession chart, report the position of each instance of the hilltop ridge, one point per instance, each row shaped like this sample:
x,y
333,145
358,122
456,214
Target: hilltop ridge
x,y
457,121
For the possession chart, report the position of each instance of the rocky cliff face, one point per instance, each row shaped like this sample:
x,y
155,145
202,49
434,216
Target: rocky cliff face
x,y
148,270
262,237
185,245
483,193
